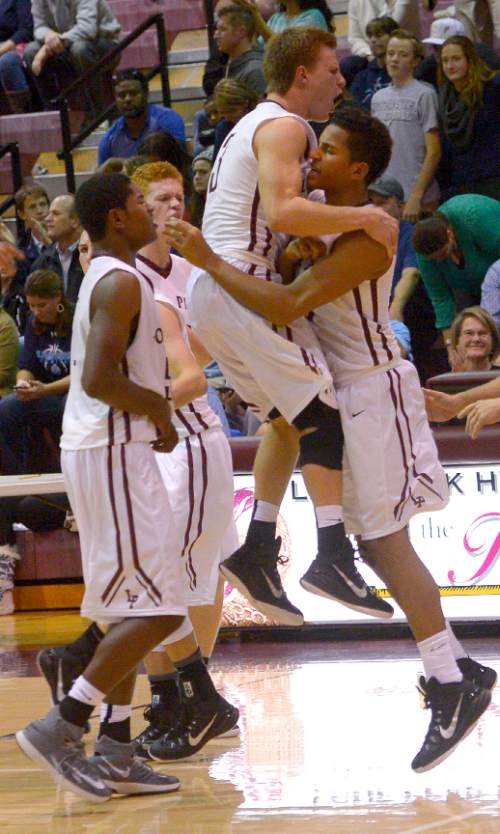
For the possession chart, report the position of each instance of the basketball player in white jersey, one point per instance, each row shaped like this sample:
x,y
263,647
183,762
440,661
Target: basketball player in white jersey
x,y
391,470
254,192
115,418
198,474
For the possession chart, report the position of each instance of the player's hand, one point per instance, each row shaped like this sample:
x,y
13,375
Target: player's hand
x,y
306,249
482,413
8,257
440,407
167,435
188,240
167,441
383,228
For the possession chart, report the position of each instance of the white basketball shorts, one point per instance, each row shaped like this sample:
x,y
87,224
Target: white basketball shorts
x,y
391,469
198,476
269,367
128,538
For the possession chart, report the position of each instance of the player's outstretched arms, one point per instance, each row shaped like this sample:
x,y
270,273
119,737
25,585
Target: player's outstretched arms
x,y
114,310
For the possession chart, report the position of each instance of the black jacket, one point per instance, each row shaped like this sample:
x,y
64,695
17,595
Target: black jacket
x,y
49,259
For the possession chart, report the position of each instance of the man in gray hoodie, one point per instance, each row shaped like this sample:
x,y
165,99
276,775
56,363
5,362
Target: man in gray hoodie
x,y
234,36
70,36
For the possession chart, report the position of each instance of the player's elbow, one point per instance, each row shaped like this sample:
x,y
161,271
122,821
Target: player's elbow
x,y
93,384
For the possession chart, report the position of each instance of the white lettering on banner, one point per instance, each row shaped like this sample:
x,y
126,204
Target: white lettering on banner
x,y
460,545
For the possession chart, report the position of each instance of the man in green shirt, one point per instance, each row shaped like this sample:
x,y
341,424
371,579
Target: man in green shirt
x,y
455,248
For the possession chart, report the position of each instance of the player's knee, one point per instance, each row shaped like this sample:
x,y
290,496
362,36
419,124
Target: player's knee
x,y
322,438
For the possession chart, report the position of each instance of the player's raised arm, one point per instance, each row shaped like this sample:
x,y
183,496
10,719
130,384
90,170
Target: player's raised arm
x,y
279,146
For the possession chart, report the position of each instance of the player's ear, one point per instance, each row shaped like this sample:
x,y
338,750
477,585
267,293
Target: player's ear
x,y
116,218
360,170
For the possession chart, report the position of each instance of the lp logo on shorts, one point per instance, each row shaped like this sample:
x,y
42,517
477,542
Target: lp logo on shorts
x,y
131,598
418,500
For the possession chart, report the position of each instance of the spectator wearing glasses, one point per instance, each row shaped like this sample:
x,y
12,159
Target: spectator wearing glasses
x,y
137,119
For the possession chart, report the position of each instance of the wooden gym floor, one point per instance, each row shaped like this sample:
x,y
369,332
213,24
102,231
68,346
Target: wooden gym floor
x,y
328,731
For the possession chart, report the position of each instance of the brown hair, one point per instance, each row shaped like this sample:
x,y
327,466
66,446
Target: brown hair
x,y
431,234
406,35
477,71
237,16
44,283
154,172
26,191
289,50
482,316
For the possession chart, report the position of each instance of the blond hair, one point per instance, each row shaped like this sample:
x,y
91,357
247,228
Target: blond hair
x,y
289,50
143,176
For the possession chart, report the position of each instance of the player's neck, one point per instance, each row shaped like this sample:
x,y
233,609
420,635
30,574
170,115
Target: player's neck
x,y
114,247
158,252
355,196
291,101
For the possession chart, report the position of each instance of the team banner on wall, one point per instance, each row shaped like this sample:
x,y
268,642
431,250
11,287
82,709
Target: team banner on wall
x,y
460,545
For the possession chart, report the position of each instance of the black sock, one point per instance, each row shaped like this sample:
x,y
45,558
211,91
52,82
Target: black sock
x,y
333,544
206,661
194,679
116,730
260,532
76,712
164,689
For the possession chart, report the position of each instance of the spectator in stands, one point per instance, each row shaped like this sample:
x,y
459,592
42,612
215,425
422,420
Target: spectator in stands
x,y
441,29
405,12
375,76
409,110
409,300
61,256
232,100
234,34
469,112
455,248
138,118
490,292
43,376
13,299
202,167
70,36
291,13
9,352
37,513
32,207
162,147
16,30
475,341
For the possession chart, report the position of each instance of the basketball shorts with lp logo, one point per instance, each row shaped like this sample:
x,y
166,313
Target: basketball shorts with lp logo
x,y
128,537
269,367
391,469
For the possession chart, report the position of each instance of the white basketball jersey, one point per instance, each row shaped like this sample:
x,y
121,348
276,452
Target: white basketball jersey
x,y
89,422
169,287
354,330
233,222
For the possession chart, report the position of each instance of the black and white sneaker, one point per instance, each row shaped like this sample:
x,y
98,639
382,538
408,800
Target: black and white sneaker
x,y
253,571
160,722
456,708
202,722
59,669
341,581
474,672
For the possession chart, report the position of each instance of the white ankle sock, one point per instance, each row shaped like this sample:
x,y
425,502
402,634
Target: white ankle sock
x,y
456,647
112,713
83,691
265,511
329,515
438,659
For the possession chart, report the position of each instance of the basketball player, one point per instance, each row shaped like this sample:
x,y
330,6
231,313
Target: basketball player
x,y
115,418
391,470
199,481
254,192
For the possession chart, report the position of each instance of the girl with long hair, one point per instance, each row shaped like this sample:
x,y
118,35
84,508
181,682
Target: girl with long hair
x,y
469,112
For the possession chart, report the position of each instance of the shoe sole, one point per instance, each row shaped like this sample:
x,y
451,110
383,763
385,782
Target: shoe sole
x,y
381,615
485,702
273,612
234,732
34,754
215,731
136,789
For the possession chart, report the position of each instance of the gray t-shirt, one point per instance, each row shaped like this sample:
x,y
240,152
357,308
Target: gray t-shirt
x,y
408,112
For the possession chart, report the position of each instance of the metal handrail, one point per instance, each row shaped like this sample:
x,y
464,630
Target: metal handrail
x,y
12,148
69,142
